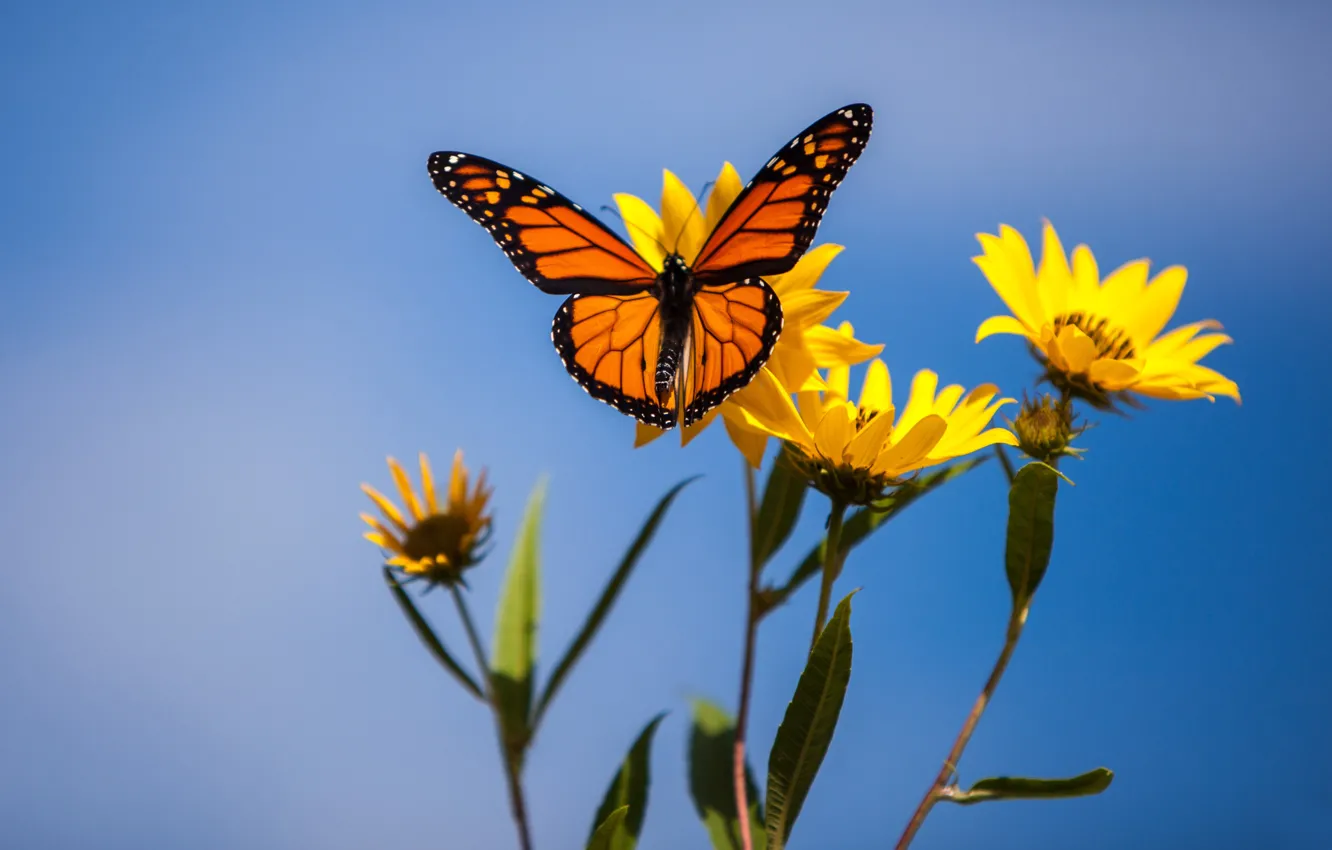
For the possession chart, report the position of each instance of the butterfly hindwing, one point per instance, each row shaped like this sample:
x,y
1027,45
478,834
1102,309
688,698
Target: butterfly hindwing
x,y
554,242
609,344
735,328
773,220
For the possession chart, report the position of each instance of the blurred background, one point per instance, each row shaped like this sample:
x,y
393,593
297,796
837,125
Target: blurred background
x,y
229,290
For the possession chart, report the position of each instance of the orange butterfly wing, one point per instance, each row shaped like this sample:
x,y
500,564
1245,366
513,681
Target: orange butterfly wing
x,y
609,344
554,242
773,220
735,327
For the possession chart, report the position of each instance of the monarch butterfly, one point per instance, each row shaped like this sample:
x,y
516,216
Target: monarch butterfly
x,y
663,346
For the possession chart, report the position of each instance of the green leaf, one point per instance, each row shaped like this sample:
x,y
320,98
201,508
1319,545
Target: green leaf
x,y
807,729
629,790
1017,788
516,630
866,520
427,636
608,596
1031,504
605,834
712,779
783,496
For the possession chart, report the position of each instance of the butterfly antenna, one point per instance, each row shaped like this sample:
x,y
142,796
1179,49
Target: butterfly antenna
x,y
628,224
698,208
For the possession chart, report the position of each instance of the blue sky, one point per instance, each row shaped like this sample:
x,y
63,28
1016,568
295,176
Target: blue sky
x,y
230,290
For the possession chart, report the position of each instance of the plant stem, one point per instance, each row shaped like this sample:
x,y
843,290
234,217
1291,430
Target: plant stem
x,y
512,770
746,667
1016,621
832,566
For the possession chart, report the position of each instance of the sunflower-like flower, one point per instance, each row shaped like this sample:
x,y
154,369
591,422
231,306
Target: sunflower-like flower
x,y
854,451
806,344
434,544
1099,338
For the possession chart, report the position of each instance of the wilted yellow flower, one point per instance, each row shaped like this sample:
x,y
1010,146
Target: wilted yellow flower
x,y
854,451
1097,338
805,346
433,543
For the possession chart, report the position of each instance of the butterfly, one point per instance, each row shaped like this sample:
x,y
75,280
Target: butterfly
x,y
664,346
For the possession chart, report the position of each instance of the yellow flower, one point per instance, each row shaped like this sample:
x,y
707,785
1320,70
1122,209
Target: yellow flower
x,y
854,451
805,346
435,544
1099,337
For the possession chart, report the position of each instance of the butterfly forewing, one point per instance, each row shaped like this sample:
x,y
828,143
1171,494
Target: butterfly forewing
x,y
773,220
554,242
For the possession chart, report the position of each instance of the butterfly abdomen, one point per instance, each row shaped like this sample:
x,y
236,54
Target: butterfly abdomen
x,y
675,292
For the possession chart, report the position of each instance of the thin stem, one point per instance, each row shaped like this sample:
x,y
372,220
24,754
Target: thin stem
x,y
1016,621
832,566
512,771
747,666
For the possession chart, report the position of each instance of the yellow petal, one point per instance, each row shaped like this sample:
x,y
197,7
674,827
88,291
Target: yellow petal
x,y
807,270
868,442
644,227
1054,279
381,536
921,400
1078,348
1199,347
948,399
811,407
1157,305
974,444
1001,325
1166,346
724,192
1113,375
794,366
386,507
876,393
912,447
765,405
405,488
681,219
1005,280
751,442
1122,291
457,483
805,308
644,434
428,485
834,431
1086,282
829,348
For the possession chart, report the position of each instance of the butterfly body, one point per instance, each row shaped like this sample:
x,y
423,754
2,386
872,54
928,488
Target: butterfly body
x,y
675,292
663,344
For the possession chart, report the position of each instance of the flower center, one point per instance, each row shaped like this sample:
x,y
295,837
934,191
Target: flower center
x,y
440,534
1110,341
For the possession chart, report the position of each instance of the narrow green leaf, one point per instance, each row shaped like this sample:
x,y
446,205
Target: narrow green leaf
x,y
712,779
1031,504
605,834
608,597
629,789
807,729
783,496
1017,788
864,521
427,636
516,630
1005,463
